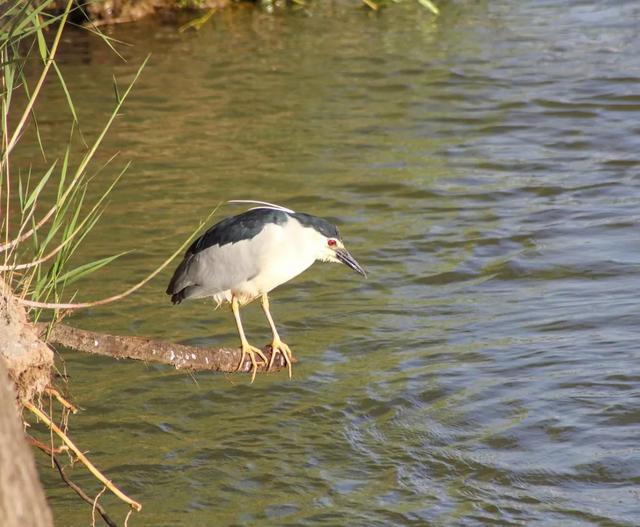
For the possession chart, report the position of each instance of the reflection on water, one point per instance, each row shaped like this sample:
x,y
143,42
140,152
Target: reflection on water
x,y
483,168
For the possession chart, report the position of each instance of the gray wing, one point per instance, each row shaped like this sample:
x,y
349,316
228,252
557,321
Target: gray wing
x,y
216,269
225,256
180,280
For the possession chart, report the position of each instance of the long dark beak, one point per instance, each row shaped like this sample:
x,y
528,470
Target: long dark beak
x,y
345,257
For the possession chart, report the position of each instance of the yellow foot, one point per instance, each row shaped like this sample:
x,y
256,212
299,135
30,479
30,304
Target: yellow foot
x,y
252,351
277,346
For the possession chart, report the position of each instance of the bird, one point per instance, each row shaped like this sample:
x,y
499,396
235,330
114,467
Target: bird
x,y
245,257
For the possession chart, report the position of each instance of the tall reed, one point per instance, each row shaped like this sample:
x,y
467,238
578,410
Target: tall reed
x,y
37,239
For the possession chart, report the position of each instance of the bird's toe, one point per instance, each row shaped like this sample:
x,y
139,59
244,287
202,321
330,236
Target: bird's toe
x,y
277,346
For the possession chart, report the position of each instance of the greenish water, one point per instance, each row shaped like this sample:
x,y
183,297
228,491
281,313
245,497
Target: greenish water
x,y
482,166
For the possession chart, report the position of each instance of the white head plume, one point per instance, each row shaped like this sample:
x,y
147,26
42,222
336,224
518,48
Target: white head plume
x,y
263,205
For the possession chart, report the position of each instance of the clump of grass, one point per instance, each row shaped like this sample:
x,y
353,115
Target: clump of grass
x,y
36,246
37,241
39,235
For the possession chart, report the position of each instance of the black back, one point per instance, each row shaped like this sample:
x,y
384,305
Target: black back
x,y
250,223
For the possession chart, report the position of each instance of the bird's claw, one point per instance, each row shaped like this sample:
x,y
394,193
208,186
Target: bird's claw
x,y
252,351
277,346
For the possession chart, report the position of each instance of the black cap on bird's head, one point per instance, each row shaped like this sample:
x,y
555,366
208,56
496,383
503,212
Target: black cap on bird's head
x,y
334,251
328,230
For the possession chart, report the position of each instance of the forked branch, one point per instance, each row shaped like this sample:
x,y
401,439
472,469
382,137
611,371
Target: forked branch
x,y
90,466
78,490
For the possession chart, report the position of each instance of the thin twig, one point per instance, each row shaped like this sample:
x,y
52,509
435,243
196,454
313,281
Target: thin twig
x,y
49,450
90,466
73,486
50,430
95,503
69,406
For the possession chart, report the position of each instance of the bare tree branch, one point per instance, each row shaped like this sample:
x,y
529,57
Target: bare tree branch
x,y
83,459
139,348
78,490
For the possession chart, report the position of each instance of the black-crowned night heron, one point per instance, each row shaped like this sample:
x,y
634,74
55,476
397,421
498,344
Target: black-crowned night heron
x,y
246,256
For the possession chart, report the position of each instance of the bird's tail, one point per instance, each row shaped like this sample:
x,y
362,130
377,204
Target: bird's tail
x,y
179,281
178,297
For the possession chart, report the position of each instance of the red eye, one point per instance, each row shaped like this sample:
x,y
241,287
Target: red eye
x,y
331,243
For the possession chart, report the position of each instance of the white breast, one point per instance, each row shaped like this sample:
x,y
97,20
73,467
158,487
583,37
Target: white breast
x,y
283,252
249,268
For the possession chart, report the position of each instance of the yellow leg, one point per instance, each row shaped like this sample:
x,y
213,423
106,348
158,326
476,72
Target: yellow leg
x,y
247,349
277,346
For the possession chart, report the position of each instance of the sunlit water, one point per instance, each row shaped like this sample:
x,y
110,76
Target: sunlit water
x,y
482,166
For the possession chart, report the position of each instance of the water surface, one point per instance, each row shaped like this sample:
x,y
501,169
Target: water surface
x,y
483,167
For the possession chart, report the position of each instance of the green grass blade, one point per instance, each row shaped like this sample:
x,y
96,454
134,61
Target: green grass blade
x,y
63,172
21,193
430,6
26,20
36,191
25,87
75,274
115,89
87,158
42,45
66,92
